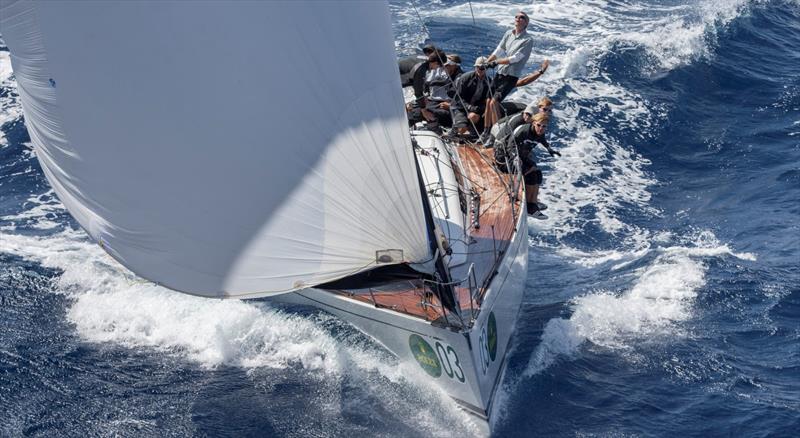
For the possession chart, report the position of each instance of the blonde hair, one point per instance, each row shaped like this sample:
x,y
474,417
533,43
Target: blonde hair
x,y
541,118
545,101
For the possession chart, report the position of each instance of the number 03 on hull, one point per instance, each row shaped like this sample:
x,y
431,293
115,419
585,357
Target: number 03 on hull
x,y
463,351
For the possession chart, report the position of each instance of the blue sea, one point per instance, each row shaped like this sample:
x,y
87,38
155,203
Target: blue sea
x,y
662,298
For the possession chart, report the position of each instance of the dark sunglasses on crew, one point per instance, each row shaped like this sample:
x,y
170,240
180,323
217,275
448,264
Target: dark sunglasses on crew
x,y
521,17
480,67
545,108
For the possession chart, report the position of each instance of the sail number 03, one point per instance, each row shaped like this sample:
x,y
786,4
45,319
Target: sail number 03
x,y
450,363
436,359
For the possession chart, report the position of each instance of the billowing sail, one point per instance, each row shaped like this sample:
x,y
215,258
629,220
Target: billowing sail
x,y
223,149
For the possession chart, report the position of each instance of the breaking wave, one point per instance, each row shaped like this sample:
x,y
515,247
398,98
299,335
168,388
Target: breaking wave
x,y
111,305
660,298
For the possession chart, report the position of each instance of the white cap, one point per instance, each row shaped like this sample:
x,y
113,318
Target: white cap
x,y
532,109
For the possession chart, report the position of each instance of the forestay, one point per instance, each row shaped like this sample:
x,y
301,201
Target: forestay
x,y
223,149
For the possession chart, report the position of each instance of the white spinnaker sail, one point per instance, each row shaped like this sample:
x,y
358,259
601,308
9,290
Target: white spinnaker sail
x,y
223,148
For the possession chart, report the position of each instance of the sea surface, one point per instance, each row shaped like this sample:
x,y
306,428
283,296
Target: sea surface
x,y
662,299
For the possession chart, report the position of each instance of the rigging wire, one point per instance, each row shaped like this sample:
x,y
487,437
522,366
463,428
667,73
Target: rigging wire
x,y
490,162
471,13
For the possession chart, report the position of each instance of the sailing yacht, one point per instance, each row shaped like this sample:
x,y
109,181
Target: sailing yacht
x,y
250,150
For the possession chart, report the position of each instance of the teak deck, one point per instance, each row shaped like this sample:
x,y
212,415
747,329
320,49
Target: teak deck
x,y
487,245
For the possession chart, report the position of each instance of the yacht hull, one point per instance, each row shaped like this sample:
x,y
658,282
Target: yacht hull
x,y
466,363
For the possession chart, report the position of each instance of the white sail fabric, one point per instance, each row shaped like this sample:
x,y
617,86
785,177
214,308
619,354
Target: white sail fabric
x,y
223,149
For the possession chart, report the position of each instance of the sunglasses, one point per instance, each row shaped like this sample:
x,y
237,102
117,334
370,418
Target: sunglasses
x,y
521,17
480,67
545,108
539,125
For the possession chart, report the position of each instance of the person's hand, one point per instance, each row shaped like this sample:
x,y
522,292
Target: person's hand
x,y
428,115
544,66
492,64
444,105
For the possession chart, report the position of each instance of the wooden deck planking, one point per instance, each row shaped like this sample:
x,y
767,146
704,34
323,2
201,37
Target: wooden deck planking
x,y
497,220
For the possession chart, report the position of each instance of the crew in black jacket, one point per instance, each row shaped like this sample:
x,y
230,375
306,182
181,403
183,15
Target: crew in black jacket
x,y
472,92
520,144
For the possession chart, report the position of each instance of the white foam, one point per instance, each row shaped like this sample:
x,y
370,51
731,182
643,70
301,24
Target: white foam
x,y
661,297
113,305
108,304
594,174
39,212
10,109
5,66
672,35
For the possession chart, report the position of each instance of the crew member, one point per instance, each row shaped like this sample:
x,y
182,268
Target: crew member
x,y
515,49
438,90
469,102
408,65
520,145
506,125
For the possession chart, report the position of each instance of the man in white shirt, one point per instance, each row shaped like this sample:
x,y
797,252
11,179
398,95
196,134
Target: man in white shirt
x,y
509,58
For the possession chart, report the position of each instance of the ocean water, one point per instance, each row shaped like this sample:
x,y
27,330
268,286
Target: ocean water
x,y
663,295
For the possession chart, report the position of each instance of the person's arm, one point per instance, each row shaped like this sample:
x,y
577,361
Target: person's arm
x,y
509,60
419,81
524,52
458,100
534,76
515,142
500,49
546,145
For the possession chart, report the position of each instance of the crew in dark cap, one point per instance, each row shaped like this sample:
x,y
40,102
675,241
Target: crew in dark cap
x,y
409,65
439,91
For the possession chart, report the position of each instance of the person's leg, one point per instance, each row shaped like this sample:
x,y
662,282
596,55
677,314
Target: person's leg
x,y
486,117
490,116
532,193
494,108
533,179
442,116
414,116
460,120
474,118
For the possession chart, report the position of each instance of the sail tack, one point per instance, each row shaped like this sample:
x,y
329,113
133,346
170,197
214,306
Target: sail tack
x,y
223,149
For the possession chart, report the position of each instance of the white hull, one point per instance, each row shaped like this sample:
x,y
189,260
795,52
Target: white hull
x,y
464,363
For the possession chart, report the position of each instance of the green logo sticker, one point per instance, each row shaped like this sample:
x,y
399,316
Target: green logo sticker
x,y
491,335
425,355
